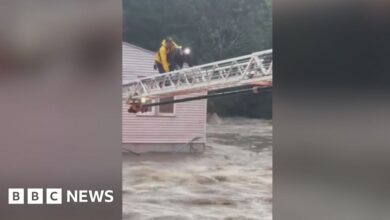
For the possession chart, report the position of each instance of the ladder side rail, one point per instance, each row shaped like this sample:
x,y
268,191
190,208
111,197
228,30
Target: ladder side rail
x,y
169,76
141,90
260,53
215,72
184,73
210,86
150,85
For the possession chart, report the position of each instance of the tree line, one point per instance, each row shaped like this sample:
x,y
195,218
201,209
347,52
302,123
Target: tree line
x,y
214,30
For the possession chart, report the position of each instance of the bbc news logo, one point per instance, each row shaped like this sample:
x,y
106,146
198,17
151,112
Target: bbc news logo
x,y
55,196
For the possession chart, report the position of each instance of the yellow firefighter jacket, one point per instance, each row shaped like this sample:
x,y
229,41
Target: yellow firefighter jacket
x,y
162,54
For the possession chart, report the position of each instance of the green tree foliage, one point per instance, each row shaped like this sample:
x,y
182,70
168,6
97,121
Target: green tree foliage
x,y
214,29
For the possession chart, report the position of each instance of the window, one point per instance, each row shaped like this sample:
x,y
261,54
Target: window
x,y
167,109
150,111
160,110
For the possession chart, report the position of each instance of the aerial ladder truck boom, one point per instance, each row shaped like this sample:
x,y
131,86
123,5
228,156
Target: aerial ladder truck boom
x,y
252,69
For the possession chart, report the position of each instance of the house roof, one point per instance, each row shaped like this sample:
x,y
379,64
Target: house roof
x,y
138,48
136,62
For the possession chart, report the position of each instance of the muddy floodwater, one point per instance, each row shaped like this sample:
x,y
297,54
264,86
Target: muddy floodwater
x,y
230,180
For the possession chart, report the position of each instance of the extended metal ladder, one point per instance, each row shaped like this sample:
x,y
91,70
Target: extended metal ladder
x,y
249,69
255,68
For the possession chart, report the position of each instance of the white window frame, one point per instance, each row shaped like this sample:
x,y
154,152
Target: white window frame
x,y
173,114
156,112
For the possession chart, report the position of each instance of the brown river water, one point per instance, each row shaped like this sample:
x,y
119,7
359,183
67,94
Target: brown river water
x,y
230,180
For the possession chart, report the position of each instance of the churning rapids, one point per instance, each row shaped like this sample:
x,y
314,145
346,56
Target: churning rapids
x,y
231,180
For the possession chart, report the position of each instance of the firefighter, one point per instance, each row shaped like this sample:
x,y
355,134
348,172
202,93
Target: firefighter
x,y
163,55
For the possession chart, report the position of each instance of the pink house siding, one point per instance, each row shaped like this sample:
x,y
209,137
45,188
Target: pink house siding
x,y
188,121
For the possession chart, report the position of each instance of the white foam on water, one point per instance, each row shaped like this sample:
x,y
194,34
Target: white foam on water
x,y
231,180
